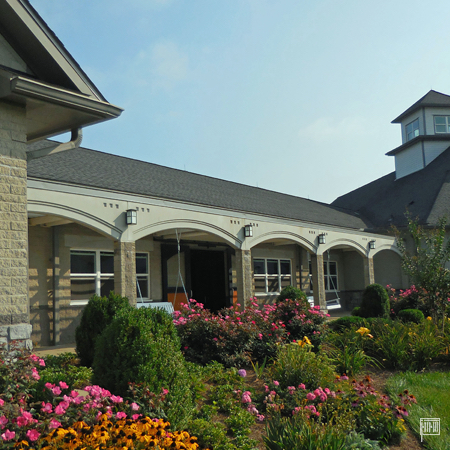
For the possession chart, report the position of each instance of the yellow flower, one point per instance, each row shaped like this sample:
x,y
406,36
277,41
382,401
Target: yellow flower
x,y
304,342
363,331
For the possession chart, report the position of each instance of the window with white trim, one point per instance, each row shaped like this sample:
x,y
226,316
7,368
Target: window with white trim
x,y
91,272
271,275
442,124
412,130
330,276
142,276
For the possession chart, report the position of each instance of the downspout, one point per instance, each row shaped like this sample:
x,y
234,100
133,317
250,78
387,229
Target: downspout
x,y
75,141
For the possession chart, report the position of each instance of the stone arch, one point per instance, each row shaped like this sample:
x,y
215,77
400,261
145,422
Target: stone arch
x,y
77,215
294,237
228,237
346,242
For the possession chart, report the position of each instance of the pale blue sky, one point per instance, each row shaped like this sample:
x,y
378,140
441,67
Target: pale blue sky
x,y
295,96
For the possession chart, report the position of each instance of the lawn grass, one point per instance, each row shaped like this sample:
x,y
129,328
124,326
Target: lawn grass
x,y
432,390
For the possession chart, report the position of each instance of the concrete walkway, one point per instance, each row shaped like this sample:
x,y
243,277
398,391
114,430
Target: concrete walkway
x,y
54,350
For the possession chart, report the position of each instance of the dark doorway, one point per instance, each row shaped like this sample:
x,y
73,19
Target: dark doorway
x,y
208,280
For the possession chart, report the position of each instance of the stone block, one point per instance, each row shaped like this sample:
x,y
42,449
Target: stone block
x,y
20,318
20,331
5,319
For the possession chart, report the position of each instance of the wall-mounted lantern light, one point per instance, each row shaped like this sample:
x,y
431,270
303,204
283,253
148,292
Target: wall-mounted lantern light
x,y
131,217
248,231
322,239
371,245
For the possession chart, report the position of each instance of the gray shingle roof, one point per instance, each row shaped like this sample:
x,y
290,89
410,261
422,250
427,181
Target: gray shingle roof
x,y
432,98
384,202
106,171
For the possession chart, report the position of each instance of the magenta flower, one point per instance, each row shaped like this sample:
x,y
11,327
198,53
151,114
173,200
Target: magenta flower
x,y
302,386
56,390
46,408
310,396
136,416
134,406
2,402
8,435
276,383
33,435
54,424
121,415
3,422
116,399
63,385
242,373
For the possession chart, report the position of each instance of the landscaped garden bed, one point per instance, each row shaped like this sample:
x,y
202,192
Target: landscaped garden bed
x,y
272,377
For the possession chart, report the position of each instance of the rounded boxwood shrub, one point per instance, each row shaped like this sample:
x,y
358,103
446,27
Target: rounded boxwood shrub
x,y
142,346
345,322
375,302
97,314
291,293
411,315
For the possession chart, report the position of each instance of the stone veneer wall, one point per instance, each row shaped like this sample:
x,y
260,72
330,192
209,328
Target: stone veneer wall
x,y
14,308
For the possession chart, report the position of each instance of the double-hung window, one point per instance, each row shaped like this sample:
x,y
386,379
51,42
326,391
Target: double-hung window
x,y
142,276
412,130
91,272
271,275
330,275
442,124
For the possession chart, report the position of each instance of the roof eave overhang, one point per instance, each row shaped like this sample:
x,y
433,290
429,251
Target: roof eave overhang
x,y
440,137
65,109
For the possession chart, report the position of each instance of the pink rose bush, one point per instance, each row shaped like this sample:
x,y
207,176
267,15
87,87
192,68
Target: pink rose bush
x,y
234,336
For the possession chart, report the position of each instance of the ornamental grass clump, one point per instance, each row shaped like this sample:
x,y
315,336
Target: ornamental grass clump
x,y
142,346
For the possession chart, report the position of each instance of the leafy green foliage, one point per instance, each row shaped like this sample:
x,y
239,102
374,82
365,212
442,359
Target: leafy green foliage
x,y
97,315
299,434
411,315
296,364
292,293
141,346
375,302
426,262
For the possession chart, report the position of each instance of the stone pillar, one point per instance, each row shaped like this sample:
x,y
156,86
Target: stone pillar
x,y
304,271
369,274
244,276
318,281
14,306
125,270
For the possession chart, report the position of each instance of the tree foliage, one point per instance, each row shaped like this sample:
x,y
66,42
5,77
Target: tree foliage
x,y
426,263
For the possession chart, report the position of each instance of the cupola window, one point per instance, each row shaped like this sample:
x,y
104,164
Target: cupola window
x,y
412,130
442,124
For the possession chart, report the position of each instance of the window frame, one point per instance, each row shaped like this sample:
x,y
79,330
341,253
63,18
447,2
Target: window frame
x,y
268,277
141,275
326,275
413,130
97,276
447,124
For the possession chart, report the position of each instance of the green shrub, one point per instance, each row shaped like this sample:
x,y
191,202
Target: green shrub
x,y
411,315
345,322
296,364
97,315
291,293
142,346
356,311
375,302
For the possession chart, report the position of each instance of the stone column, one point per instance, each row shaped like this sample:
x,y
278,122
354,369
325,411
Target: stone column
x,y
318,281
244,276
14,306
125,270
369,274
